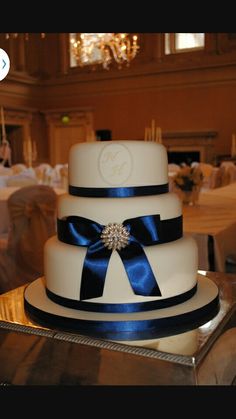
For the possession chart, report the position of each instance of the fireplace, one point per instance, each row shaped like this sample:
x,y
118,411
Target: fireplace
x,y
196,146
184,157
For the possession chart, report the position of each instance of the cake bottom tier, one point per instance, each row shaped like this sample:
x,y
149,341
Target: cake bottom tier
x,y
199,309
174,266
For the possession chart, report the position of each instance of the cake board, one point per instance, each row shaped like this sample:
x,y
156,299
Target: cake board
x,y
153,324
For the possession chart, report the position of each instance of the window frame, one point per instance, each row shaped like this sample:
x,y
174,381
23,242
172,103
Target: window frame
x,y
174,50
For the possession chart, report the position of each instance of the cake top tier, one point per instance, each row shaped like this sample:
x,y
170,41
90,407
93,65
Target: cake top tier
x,y
117,164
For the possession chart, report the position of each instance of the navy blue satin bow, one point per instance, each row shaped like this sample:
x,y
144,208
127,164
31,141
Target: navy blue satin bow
x,y
144,231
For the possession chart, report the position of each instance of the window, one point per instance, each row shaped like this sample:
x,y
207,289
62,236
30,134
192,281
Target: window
x,y
183,42
72,38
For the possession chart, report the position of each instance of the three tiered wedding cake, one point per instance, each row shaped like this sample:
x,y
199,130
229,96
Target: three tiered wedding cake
x,y
120,266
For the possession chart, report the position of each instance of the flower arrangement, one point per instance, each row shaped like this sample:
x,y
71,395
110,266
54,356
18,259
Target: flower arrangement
x,y
188,181
188,178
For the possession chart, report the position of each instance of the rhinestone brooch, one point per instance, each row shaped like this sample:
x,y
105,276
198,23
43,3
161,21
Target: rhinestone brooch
x,y
115,236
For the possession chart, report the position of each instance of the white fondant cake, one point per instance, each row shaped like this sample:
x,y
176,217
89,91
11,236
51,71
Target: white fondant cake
x,y
120,163
119,248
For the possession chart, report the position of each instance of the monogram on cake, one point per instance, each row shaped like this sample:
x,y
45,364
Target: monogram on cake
x,y
120,266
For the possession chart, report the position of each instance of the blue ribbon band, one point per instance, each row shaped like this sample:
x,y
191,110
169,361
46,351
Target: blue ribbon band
x,y
128,329
143,231
119,192
121,307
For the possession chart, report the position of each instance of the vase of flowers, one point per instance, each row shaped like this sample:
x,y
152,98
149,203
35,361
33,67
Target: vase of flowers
x,y
188,181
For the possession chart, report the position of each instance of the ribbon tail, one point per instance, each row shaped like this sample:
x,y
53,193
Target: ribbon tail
x,y
94,271
139,271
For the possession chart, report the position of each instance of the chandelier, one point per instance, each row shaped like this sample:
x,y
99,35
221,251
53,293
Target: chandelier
x,y
101,48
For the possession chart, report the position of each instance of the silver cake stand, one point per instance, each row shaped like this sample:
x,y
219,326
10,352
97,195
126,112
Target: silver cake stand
x,y
202,356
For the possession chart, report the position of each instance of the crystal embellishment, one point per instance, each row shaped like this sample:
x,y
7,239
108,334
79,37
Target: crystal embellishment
x,y
115,236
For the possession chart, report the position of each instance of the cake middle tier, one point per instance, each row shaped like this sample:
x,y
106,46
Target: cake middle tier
x,y
174,263
116,210
174,266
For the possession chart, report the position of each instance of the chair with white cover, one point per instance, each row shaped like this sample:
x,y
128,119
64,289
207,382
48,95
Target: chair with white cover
x,y
18,168
232,173
173,167
32,212
206,169
215,180
195,164
57,180
226,163
42,171
229,173
64,176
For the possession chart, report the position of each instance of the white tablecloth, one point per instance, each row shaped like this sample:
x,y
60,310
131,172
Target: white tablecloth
x,y
214,216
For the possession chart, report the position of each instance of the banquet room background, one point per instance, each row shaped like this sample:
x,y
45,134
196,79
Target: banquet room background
x,y
188,92
191,97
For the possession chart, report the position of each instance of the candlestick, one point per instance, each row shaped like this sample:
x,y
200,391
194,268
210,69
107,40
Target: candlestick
x,y
153,133
145,134
34,150
24,149
159,135
233,146
153,130
3,125
29,151
29,146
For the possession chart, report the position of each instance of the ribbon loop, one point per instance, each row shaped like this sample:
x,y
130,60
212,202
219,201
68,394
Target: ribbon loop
x,y
94,271
139,270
